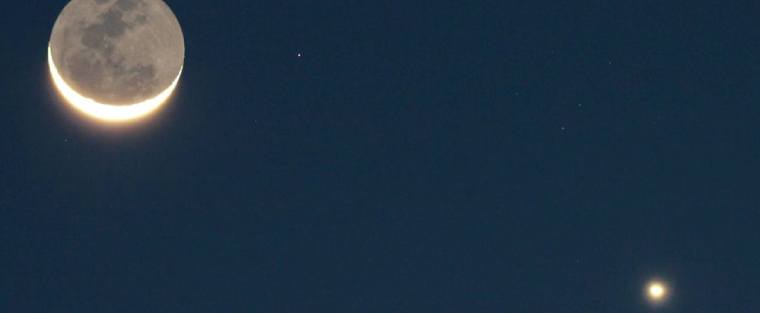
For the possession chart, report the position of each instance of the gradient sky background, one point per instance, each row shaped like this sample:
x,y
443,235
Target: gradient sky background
x,y
420,156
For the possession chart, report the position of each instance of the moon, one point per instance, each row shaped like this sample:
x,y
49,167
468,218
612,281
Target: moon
x,y
116,60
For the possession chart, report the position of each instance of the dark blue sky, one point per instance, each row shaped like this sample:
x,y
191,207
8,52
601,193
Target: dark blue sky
x,y
419,156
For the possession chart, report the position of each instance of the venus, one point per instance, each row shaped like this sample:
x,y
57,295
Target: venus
x,y
116,60
657,292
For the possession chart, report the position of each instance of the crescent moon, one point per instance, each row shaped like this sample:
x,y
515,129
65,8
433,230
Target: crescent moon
x,y
108,112
116,60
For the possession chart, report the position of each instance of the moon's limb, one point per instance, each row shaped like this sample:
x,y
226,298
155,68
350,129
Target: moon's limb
x,y
108,112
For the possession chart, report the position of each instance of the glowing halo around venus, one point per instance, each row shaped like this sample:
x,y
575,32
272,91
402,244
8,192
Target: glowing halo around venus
x,y
108,112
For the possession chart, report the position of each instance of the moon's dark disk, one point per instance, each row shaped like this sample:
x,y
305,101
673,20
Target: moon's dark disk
x,y
118,52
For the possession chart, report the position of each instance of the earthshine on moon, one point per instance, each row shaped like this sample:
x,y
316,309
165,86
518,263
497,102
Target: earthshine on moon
x,y
116,60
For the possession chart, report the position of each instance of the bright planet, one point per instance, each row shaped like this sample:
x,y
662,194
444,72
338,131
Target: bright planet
x,y
116,60
657,292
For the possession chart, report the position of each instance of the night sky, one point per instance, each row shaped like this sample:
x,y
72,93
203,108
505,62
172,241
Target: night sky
x,y
396,156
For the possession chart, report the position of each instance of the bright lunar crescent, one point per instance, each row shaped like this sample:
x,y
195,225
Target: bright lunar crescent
x,y
116,60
